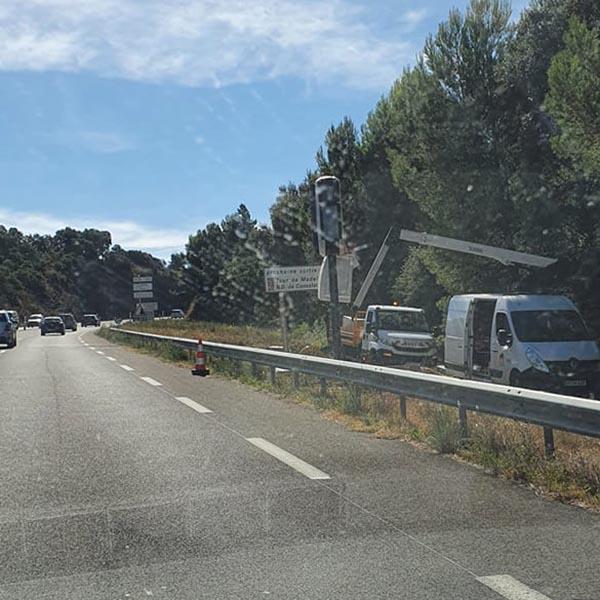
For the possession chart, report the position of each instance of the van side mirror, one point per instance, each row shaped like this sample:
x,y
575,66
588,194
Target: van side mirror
x,y
504,337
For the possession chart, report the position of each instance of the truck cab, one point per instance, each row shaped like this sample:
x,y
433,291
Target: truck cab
x,y
396,335
526,340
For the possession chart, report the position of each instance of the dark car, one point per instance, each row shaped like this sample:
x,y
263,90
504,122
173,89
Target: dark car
x,y
8,330
90,319
52,325
69,321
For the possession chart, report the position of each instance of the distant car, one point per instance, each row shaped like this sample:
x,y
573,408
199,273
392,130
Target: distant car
x,y
69,321
8,330
177,313
52,325
90,319
35,320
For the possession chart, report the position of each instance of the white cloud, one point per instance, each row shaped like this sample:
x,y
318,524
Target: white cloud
x,y
202,42
128,234
199,140
413,17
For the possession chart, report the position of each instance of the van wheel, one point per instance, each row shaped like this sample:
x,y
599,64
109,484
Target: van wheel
x,y
373,358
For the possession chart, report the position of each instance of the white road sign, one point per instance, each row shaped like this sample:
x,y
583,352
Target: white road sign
x,y
149,294
292,279
142,287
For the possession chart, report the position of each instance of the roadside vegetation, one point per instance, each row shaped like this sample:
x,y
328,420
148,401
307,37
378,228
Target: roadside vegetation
x,y
504,448
308,339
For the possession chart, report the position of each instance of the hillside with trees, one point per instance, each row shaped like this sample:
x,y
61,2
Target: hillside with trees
x,y
493,136
74,271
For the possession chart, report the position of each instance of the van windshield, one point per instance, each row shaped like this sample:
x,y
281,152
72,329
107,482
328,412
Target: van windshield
x,y
411,322
549,326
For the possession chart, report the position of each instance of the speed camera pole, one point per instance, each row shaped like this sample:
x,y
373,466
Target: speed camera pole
x,y
334,312
327,222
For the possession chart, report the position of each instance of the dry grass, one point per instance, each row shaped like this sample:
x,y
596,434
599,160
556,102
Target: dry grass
x,y
303,338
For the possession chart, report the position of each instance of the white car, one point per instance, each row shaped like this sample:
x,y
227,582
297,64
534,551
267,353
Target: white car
x,y
35,320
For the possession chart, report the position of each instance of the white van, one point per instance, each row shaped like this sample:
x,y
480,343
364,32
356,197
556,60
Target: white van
x,y
524,340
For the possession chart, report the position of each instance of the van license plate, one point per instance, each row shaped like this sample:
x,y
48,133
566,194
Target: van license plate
x,y
575,383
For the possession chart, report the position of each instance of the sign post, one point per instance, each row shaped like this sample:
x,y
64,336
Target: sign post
x,y
328,225
285,329
143,294
290,279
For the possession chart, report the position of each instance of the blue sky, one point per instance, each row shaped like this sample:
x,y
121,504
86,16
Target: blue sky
x,y
151,118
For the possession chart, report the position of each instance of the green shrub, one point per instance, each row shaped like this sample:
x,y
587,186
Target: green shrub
x,y
444,430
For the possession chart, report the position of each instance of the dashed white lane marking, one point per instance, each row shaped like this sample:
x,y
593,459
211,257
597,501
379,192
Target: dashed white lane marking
x,y
511,588
111,359
193,405
2,351
99,352
289,459
151,381
126,367
91,347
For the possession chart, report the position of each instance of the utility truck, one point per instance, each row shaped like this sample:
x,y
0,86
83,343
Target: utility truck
x,y
385,334
388,335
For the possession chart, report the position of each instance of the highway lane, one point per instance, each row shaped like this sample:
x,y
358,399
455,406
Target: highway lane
x,y
110,486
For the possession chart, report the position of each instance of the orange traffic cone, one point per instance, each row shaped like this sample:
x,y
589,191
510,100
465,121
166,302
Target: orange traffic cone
x,y
200,368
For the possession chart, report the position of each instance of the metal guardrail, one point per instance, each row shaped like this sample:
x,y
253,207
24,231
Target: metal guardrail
x,y
551,411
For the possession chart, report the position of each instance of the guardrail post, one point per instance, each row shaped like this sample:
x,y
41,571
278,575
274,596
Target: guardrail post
x,y
403,407
296,380
322,387
548,442
237,368
462,421
272,377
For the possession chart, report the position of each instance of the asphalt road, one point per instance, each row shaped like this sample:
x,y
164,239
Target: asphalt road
x,y
112,486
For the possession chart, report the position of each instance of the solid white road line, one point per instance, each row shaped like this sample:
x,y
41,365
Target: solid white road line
x,y
151,381
289,459
126,367
511,588
111,359
193,405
